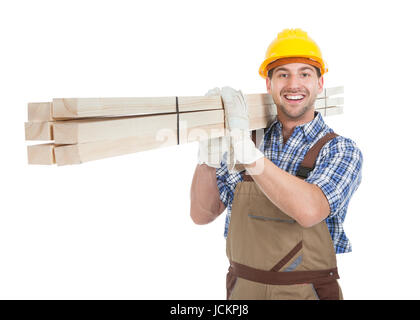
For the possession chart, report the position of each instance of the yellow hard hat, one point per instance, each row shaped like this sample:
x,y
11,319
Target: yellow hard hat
x,y
292,45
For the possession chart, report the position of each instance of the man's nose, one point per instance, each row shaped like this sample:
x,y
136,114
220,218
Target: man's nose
x,y
294,82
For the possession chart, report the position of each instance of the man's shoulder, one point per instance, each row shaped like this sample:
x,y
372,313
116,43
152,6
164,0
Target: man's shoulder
x,y
340,143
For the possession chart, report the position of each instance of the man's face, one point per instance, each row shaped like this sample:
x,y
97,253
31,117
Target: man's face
x,y
294,88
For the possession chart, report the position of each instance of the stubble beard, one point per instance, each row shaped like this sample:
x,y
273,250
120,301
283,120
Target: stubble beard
x,y
295,116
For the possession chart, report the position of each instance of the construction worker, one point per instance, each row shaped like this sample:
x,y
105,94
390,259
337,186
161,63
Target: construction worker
x,y
286,208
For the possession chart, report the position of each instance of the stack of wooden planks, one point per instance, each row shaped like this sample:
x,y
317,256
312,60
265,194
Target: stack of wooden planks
x,y
86,129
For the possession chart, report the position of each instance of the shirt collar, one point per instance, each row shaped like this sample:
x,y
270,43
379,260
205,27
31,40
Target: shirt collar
x,y
310,129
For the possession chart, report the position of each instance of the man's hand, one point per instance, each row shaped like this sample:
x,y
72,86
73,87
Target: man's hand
x,y
211,151
237,122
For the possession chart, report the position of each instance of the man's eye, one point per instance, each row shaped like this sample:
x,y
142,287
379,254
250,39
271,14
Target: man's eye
x,y
282,75
305,75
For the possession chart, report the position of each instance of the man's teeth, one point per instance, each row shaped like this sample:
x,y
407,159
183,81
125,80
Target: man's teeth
x,y
294,97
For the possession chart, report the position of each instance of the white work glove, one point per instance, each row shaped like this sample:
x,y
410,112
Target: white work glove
x,y
212,151
237,122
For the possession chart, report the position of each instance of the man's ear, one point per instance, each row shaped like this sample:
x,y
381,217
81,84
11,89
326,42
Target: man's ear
x,y
320,84
268,84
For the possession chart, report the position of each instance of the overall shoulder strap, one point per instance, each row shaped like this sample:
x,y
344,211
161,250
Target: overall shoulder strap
x,y
308,162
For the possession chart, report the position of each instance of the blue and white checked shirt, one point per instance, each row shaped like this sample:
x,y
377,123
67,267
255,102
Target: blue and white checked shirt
x,y
338,170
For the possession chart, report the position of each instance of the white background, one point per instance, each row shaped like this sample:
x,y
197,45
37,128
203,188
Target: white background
x,y
120,228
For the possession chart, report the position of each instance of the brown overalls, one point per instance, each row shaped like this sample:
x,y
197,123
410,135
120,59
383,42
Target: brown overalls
x,y
273,257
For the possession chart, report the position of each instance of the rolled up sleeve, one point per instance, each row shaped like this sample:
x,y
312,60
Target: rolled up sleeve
x,y
226,182
338,172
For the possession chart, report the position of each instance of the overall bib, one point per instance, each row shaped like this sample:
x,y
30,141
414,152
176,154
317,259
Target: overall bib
x,y
271,256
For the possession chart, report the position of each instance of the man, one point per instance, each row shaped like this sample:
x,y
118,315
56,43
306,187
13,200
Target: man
x,y
285,216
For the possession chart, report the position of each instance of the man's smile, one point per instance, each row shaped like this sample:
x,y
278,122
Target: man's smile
x,y
294,98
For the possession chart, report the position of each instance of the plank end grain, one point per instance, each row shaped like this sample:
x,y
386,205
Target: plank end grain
x,y
39,131
64,108
41,154
40,111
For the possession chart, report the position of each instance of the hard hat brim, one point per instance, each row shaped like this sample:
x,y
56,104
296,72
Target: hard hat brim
x,y
268,63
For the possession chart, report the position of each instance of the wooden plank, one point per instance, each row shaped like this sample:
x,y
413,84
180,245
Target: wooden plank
x,y
76,108
195,126
186,104
111,107
100,136
192,128
40,111
328,92
261,116
334,111
84,152
334,91
39,130
329,102
89,130
81,131
258,99
90,151
41,154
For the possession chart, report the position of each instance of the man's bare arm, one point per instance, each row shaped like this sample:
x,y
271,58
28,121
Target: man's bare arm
x,y
205,200
303,201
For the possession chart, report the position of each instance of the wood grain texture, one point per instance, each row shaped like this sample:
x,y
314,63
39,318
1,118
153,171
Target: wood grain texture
x,y
111,107
84,152
195,126
39,130
329,102
81,131
333,111
40,111
199,103
41,154
333,91
76,108
192,128
89,129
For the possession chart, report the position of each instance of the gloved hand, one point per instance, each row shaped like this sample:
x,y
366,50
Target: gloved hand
x,y
237,122
211,151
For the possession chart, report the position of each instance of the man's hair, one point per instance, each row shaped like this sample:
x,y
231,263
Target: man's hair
x,y
318,72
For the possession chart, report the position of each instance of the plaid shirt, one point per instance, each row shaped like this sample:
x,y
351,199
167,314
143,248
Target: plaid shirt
x,y
338,170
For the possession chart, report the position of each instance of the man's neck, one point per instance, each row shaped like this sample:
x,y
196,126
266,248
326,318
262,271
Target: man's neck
x,y
289,125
